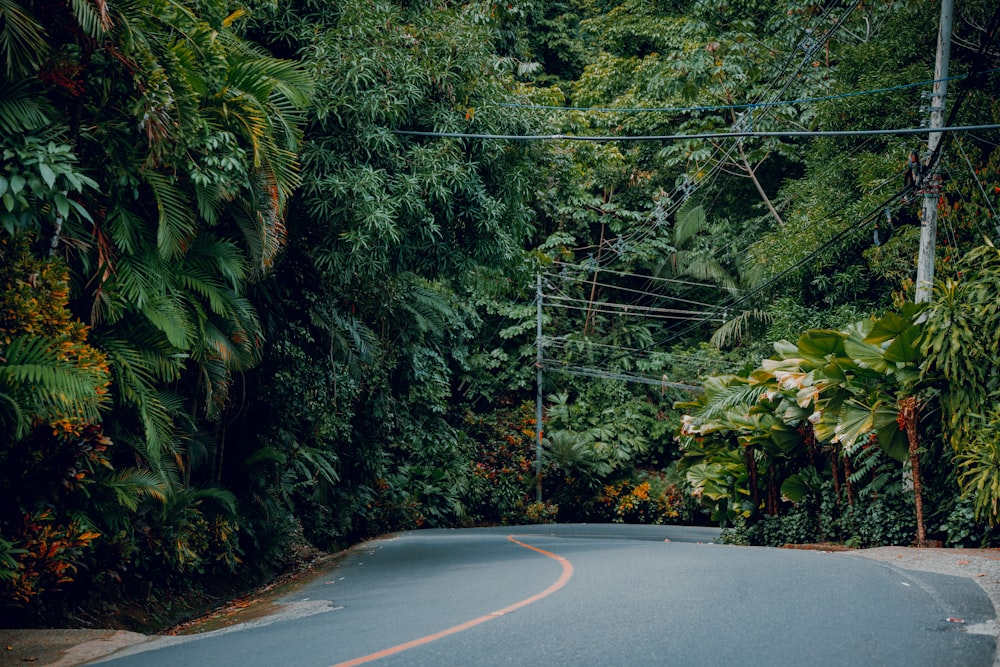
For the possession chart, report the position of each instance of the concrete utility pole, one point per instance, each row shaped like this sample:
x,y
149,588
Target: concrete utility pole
x,y
538,398
928,224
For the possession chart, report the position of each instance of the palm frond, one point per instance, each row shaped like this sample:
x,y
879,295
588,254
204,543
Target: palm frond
x,y
427,303
739,397
349,336
690,221
39,381
14,422
23,42
132,485
93,18
176,224
21,110
737,329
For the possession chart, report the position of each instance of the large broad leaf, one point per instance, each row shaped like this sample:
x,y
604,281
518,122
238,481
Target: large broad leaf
x,y
892,324
785,441
792,413
785,349
888,327
859,329
855,421
905,347
835,369
710,478
822,343
804,483
825,429
891,438
867,355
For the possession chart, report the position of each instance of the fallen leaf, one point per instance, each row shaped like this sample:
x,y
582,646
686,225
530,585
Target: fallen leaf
x,y
963,562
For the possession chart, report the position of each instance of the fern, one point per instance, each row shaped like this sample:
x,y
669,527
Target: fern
x,y
871,470
176,225
36,380
739,328
21,110
733,397
132,485
23,42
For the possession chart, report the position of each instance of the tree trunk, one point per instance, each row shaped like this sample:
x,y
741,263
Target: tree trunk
x,y
751,464
593,287
847,481
909,411
835,469
760,188
772,493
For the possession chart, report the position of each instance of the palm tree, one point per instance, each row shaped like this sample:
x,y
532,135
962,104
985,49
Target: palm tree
x,y
23,42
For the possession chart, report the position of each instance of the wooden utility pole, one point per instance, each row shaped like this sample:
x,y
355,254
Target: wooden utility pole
x,y
538,397
929,182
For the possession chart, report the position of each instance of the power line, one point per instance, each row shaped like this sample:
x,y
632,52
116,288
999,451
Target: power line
x,y
627,306
668,358
972,170
622,376
636,311
837,238
704,135
656,295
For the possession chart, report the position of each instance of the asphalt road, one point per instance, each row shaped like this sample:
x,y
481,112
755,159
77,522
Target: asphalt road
x,y
600,595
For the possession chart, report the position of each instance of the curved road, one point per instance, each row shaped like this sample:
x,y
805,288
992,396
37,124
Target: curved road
x,y
599,595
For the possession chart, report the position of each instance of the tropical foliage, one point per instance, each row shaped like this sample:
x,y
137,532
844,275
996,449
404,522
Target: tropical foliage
x,y
278,276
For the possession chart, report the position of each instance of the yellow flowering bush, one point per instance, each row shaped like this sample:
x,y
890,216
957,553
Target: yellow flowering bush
x,y
645,498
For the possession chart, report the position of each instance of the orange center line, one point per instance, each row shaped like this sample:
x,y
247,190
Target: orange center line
x,y
567,573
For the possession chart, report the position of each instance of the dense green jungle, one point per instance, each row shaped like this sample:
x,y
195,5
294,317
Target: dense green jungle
x,y
278,277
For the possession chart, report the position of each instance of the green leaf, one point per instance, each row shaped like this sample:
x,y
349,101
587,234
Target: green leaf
x,y
905,348
62,205
891,438
48,175
821,343
888,327
856,420
804,483
867,355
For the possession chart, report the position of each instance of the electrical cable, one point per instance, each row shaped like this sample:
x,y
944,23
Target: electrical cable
x,y
876,212
656,295
975,176
703,135
626,306
654,316
622,376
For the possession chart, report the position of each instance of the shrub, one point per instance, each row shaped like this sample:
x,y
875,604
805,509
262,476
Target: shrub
x,y
644,498
47,555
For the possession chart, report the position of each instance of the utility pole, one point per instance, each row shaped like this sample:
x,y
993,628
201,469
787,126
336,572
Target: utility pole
x,y
929,182
538,397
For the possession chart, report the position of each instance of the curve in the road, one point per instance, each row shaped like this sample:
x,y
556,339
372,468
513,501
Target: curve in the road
x,y
564,577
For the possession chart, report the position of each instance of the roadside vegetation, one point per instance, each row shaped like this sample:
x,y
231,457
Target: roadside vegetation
x,y
270,274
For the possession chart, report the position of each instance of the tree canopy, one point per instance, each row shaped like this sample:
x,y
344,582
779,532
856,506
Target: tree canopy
x,y
271,276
